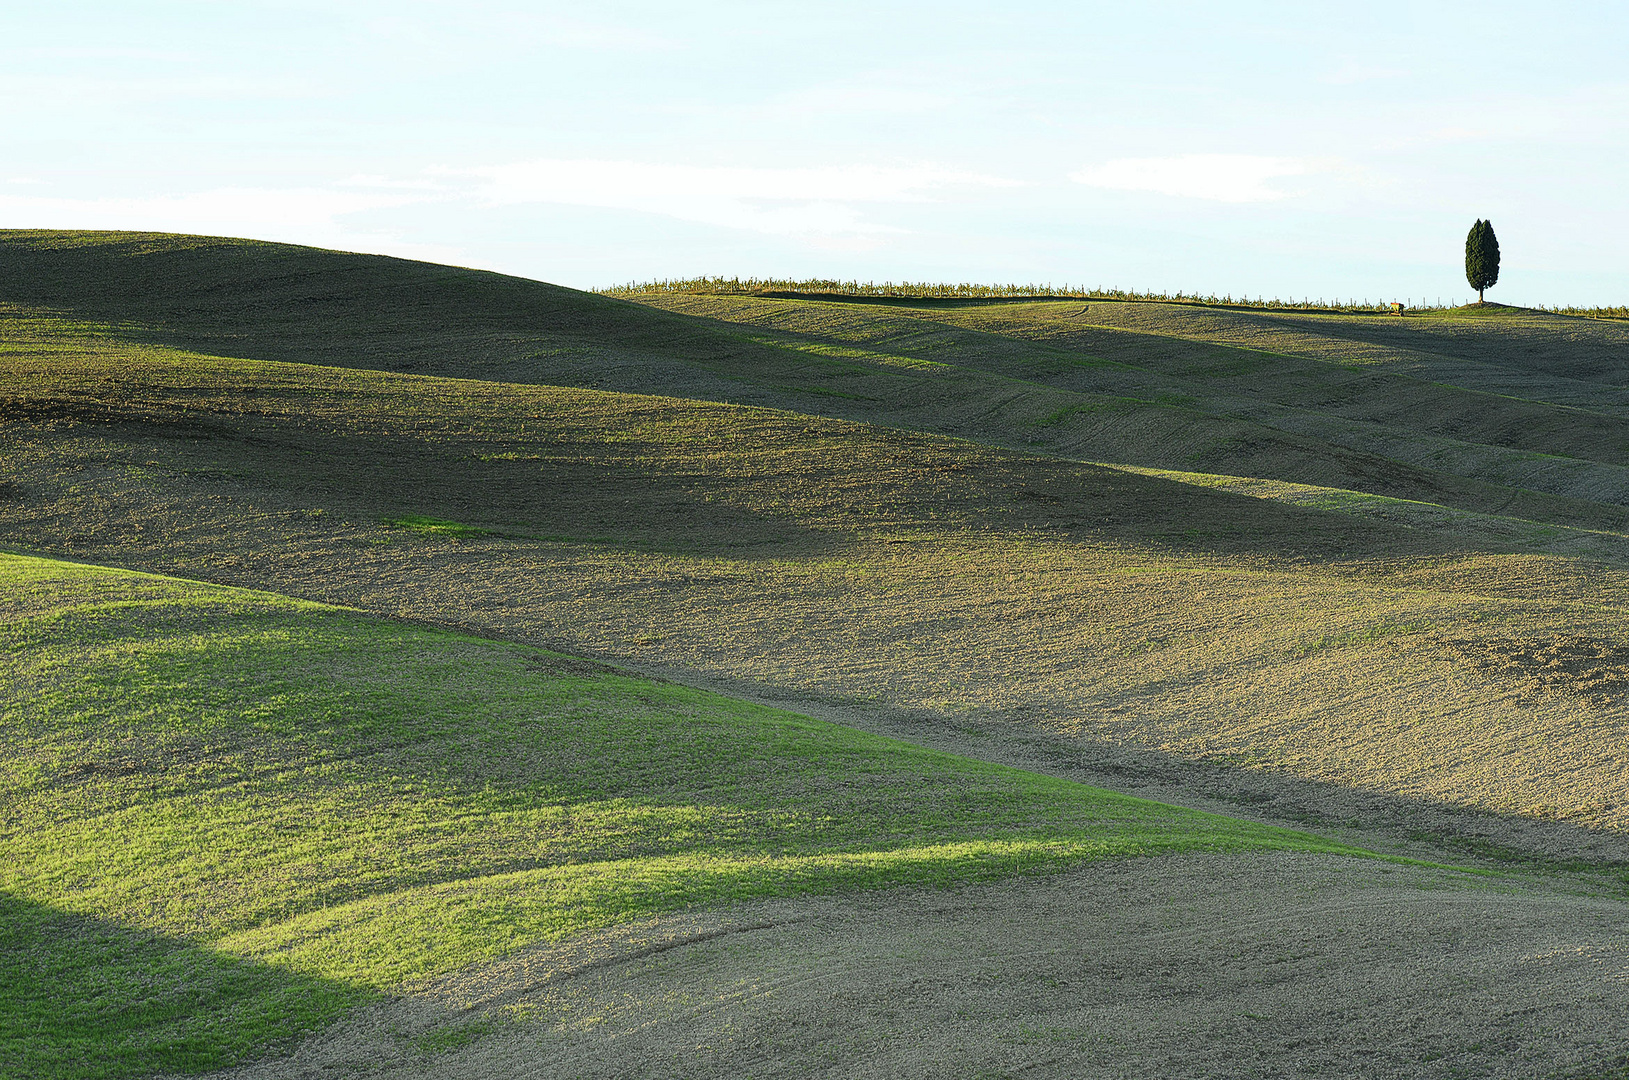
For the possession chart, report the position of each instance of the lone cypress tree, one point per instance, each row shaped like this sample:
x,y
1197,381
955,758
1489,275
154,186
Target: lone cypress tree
x,y
1481,257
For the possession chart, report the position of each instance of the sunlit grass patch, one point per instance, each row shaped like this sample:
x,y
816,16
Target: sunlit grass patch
x,y
435,526
298,797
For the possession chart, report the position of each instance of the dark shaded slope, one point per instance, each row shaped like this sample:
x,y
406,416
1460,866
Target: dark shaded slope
x,y
268,301
1062,383
568,464
1304,367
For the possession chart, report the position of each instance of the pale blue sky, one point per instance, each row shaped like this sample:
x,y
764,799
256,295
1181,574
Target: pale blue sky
x,y
1283,149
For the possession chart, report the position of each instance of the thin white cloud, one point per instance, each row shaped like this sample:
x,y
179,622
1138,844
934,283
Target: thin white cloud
x,y
374,181
850,99
202,211
824,206
821,201
1234,178
610,36
1354,72
511,29
83,52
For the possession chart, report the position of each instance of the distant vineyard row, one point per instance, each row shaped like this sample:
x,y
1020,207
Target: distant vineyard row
x,y
927,290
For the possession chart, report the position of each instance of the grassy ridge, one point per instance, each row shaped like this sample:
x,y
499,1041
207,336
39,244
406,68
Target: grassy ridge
x,y
951,292
833,289
229,815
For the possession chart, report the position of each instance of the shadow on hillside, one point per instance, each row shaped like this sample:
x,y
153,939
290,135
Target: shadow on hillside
x,y
84,997
905,484
1163,401
265,301
1381,821
1540,345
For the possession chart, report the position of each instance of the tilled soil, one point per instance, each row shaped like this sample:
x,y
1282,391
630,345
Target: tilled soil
x,y
1570,664
1267,965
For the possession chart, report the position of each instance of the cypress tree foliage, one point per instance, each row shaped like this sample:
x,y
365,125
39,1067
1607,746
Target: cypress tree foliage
x,y
1481,257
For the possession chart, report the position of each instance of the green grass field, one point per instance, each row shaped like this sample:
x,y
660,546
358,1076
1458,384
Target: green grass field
x,y
230,815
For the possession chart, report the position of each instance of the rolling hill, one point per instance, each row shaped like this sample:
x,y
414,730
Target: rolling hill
x,y
1356,574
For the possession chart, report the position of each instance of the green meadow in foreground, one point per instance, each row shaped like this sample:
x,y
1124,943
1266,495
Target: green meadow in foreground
x,y
230,815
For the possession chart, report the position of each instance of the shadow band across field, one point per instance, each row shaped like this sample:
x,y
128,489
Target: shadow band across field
x,y
1370,818
88,998
530,461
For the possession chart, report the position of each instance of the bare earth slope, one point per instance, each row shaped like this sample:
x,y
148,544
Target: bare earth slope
x,y
1195,966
